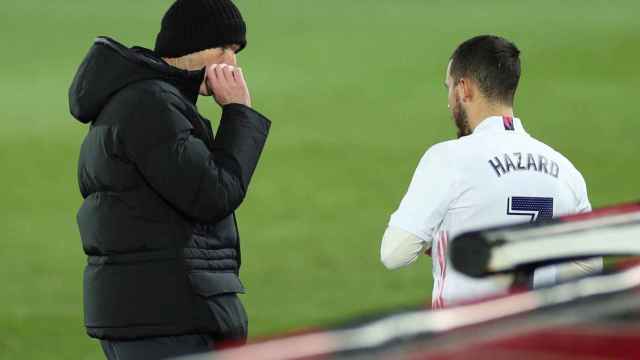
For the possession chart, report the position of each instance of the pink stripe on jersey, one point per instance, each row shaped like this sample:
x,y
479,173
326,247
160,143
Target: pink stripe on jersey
x,y
438,299
444,264
438,302
507,121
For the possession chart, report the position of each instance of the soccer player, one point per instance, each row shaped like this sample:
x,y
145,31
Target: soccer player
x,y
495,173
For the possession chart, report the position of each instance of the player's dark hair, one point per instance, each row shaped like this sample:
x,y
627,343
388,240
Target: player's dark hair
x,y
493,62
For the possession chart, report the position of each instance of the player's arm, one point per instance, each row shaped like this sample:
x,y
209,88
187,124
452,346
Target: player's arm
x,y
584,267
587,266
421,210
576,269
400,248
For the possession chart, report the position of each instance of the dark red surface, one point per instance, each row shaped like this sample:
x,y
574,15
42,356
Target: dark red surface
x,y
608,211
584,342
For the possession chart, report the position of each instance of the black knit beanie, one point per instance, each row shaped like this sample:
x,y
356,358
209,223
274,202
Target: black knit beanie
x,y
190,26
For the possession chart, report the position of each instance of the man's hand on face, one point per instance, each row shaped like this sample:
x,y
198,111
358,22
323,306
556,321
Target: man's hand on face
x,y
227,85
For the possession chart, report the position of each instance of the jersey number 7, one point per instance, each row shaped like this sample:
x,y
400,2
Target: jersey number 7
x,y
537,208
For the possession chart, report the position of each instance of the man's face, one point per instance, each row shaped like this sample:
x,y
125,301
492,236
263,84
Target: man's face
x,y
220,55
454,103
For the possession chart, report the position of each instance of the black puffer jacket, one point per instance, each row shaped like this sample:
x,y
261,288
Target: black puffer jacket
x,y
157,222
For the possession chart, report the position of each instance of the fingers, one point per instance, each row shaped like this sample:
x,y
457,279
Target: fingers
x,y
228,85
239,77
225,72
220,70
220,76
212,78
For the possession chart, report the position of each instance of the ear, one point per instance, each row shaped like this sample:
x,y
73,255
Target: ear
x,y
466,91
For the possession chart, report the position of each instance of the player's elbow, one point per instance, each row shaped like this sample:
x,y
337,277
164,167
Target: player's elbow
x,y
391,265
217,200
390,261
393,253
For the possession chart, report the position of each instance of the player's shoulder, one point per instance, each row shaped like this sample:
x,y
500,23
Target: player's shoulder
x,y
456,151
562,160
440,157
441,151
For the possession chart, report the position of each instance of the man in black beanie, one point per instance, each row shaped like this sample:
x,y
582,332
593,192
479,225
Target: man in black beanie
x,y
160,190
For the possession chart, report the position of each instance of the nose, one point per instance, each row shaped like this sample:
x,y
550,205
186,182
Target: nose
x,y
229,57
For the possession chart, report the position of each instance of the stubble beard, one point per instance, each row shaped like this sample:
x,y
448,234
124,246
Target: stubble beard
x,y
461,119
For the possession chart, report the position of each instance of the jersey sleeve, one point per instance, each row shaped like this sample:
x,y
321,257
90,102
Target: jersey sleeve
x,y
425,204
582,198
399,248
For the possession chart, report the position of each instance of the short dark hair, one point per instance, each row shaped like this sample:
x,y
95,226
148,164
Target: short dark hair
x,y
493,62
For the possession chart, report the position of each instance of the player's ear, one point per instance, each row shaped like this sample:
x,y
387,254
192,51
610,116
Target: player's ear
x,y
465,91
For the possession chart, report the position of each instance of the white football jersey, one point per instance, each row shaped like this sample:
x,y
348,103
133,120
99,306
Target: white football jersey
x,y
498,175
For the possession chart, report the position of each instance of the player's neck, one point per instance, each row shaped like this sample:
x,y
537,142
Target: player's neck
x,y
476,116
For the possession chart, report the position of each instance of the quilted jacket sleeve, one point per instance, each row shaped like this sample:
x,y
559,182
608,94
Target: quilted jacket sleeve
x,y
206,184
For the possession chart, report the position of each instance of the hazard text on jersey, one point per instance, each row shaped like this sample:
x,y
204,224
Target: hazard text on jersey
x,y
520,161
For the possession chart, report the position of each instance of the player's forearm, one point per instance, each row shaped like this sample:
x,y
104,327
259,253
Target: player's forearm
x,y
399,248
579,268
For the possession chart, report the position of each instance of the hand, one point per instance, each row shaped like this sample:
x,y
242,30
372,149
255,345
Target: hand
x,y
428,251
226,84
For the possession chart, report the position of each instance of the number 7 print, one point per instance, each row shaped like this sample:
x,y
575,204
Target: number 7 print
x,y
538,208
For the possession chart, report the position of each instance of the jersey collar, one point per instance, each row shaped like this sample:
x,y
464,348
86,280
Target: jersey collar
x,y
500,123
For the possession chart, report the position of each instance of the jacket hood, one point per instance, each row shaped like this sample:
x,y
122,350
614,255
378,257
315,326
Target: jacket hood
x,y
110,66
